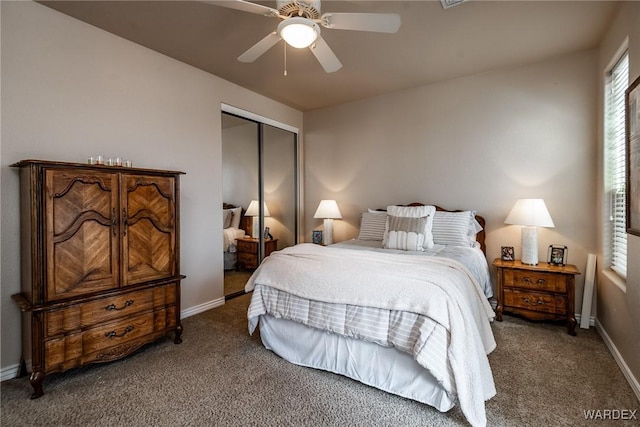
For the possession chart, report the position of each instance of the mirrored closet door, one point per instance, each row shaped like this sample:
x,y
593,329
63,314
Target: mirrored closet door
x,y
260,195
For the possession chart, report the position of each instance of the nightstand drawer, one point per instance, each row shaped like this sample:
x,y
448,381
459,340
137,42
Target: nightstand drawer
x,y
535,301
247,260
247,246
535,280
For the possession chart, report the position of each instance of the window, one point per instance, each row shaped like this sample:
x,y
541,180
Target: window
x,y
617,81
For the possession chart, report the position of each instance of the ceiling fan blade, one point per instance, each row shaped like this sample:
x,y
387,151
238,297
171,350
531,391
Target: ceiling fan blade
x,y
377,22
325,55
259,48
245,6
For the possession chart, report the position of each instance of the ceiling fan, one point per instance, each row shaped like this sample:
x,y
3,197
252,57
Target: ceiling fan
x,y
299,27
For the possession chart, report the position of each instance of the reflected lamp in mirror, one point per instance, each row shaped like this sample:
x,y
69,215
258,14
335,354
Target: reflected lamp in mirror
x,y
254,212
530,214
328,210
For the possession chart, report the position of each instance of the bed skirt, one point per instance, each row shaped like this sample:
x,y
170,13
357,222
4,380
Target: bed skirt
x,y
384,368
230,260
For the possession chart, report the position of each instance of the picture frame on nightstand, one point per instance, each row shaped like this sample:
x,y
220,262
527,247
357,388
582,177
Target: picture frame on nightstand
x,y
267,234
507,253
557,255
317,237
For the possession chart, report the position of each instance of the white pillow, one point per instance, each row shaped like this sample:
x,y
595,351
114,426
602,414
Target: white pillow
x,y
372,225
227,216
235,221
413,212
406,233
455,228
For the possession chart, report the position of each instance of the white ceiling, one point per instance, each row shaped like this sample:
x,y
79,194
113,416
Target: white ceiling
x,y
433,44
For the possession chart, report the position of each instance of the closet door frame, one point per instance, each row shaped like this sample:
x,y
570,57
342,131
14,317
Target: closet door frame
x,y
261,122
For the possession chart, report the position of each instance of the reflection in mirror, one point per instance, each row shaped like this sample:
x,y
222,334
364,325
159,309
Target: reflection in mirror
x,y
279,183
240,171
259,164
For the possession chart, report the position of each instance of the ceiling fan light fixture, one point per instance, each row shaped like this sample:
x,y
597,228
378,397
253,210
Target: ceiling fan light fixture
x,y
298,32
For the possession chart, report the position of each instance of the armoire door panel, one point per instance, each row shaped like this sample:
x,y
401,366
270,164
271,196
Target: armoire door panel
x,y
80,232
149,234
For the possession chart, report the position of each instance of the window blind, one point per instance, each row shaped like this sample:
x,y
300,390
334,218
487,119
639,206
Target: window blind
x,y
617,83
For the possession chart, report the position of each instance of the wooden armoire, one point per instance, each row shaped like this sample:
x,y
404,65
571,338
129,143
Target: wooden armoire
x,y
100,263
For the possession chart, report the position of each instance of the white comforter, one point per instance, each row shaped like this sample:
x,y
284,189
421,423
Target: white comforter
x,y
440,289
472,257
230,236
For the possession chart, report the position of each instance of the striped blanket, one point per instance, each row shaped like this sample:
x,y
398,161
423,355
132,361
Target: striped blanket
x,y
431,308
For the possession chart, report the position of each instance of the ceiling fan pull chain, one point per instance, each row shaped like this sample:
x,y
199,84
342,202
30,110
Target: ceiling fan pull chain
x,y
285,58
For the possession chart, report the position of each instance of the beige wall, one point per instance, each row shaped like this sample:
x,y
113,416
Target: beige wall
x,y
478,142
70,90
619,306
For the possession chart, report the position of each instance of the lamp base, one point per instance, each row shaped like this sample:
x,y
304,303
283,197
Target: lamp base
x,y
255,228
327,234
529,246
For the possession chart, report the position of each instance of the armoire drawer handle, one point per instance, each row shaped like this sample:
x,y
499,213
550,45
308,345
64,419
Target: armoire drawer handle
x,y
533,302
537,282
113,334
111,307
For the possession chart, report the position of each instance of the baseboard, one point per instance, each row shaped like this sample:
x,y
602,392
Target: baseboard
x,y
9,373
592,320
633,382
200,308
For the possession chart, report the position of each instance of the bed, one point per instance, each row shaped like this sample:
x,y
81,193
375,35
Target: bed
x,y
233,229
403,308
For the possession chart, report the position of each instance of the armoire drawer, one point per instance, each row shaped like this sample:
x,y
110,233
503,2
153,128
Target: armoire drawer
x,y
87,314
107,341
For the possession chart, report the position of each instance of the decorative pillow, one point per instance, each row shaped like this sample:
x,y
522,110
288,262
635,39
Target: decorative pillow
x,y
455,228
406,233
413,212
235,221
372,225
227,215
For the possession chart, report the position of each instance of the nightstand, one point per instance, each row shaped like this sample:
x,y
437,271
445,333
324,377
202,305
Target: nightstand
x,y
537,292
248,251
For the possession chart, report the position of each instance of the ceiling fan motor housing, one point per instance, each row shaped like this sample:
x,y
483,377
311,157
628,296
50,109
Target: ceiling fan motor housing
x,y
305,8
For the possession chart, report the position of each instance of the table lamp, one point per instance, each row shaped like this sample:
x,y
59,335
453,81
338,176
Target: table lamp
x,y
530,214
328,210
253,211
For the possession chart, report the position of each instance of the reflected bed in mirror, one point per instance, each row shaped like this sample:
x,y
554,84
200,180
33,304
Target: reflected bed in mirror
x,y
234,226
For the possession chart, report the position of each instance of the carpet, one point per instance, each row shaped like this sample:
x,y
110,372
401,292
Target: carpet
x,y
234,281
221,376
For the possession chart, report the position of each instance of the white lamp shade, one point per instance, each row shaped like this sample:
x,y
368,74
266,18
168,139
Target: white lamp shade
x,y
298,32
252,210
530,213
328,209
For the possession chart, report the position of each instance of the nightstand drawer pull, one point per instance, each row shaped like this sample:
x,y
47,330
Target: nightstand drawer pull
x,y
537,282
533,302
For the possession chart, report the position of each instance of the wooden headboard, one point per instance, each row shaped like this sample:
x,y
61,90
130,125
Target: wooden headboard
x,y
480,237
